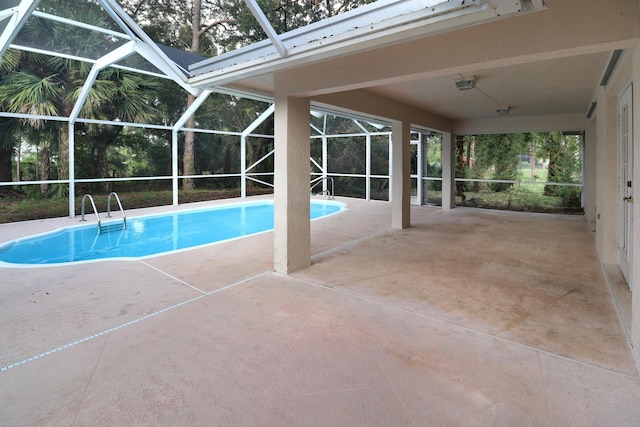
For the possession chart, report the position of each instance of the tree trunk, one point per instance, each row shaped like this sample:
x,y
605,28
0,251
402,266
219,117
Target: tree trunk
x,y
460,166
532,159
45,169
5,167
63,151
189,158
6,173
102,163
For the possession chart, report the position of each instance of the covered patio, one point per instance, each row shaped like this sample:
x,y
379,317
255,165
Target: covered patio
x,y
388,313
474,318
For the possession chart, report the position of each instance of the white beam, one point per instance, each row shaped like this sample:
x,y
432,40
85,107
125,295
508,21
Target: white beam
x,y
20,14
447,160
266,26
191,110
78,24
148,49
103,62
257,122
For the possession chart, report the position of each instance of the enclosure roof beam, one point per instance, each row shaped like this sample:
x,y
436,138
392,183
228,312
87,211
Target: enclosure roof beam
x,y
257,122
266,26
148,48
357,122
197,103
108,59
78,24
18,16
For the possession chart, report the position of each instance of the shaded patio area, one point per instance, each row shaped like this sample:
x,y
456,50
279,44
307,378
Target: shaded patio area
x,y
469,317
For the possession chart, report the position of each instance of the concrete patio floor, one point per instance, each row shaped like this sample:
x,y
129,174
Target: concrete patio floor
x,y
470,317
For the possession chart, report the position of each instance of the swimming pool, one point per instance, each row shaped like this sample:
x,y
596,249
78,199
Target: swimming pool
x,y
149,235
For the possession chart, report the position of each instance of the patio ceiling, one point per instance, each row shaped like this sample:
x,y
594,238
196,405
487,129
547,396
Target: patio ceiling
x,y
553,87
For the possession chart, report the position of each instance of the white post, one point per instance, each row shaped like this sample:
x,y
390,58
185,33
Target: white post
x,y
401,173
448,171
390,172
292,227
243,166
419,169
368,168
174,165
324,162
72,171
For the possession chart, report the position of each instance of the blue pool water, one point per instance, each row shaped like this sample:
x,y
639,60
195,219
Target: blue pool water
x,y
150,235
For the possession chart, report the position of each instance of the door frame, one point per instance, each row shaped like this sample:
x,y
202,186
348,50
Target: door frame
x,y
625,183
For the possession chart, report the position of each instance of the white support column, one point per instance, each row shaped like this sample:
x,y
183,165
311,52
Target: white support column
x,y
72,169
243,165
174,166
368,168
390,172
325,162
448,171
292,227
401,173
424,183
419,169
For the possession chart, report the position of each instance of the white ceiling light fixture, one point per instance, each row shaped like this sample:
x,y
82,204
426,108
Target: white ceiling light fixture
x,y
466,84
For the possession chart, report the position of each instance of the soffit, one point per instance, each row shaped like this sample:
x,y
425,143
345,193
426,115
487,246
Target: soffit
x,y
552,87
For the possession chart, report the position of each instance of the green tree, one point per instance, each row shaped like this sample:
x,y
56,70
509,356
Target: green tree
x,y
565,162
500,155
9,128
116,95
49,85
22,91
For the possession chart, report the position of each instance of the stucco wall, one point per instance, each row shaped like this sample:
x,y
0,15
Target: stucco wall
x,y
635,316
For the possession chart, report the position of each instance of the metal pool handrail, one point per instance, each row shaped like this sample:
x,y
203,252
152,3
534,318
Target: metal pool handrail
x,y
330,193
124,217
95,211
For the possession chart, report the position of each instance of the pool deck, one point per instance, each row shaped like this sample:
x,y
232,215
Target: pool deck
x,y
470,317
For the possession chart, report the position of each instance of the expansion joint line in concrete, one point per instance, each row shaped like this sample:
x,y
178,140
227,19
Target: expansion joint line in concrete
x,y
173,277
467,329
131,322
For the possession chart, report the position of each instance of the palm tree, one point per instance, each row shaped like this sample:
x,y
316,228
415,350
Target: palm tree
x,y
117,95
49,86
8,127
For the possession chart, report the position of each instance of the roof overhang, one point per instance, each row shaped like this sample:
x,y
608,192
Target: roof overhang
x,y
378,24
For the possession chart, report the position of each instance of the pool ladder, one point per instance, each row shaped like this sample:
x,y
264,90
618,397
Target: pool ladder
x,y
111,225
330,193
